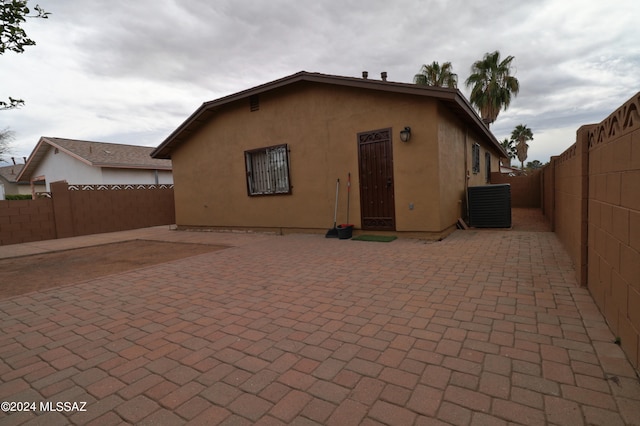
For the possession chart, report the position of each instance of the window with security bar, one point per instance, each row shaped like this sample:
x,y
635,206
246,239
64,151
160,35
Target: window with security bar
x,y
475,158
487,167
268,170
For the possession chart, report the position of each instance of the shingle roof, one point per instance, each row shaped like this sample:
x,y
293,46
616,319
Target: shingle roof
x,y
451,98
96,154
10,173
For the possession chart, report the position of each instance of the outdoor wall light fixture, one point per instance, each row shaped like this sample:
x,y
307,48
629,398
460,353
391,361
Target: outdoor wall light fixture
x,y
405,134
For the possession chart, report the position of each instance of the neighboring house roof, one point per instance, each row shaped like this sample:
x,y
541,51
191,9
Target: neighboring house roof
x,y
452,98
510,170
96,154
10,173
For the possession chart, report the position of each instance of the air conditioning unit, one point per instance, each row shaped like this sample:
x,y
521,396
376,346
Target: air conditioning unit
x,y
490,206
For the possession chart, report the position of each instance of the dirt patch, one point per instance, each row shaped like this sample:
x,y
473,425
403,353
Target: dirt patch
x,y
38,272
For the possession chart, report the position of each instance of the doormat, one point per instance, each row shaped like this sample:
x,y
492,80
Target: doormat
x,y
378,238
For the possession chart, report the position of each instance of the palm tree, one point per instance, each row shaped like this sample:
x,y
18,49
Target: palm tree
x,y
493,85
522,134
436,75
509,147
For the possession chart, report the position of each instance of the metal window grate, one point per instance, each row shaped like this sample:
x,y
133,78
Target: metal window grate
x,y
487,167
475,157
268,171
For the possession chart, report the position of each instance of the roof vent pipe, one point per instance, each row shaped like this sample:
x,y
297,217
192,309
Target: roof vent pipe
x,y
25,160
383,74
14,160
365,74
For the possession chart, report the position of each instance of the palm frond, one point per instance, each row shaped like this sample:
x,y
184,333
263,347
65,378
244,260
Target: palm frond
x,y
436,75
492,85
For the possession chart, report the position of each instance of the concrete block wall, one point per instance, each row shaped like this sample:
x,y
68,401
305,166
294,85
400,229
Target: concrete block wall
x,y
547,196
570,189
614,223
116,210
23,221
83,212
591,194
525,190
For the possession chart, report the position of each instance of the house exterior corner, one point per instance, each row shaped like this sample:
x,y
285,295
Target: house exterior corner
x,y
271,161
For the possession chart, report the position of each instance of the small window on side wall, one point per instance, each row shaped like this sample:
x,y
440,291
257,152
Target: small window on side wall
x,y
487,167
268,170
475,158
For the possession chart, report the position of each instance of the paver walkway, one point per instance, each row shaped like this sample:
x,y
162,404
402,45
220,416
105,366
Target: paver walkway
x,y
483,328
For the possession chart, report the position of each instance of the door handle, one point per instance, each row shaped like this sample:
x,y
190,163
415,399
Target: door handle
x,y
388,182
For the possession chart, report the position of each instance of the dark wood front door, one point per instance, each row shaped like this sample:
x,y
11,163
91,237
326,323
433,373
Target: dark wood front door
x,y
375,156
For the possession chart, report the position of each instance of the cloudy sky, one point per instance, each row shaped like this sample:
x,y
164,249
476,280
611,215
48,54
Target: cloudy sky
x,y
131,71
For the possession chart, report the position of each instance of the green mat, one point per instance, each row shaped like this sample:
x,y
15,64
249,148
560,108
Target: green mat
x,y
378,238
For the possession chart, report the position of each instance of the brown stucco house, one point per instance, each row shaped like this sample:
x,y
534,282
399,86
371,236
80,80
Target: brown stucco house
x,y
268,158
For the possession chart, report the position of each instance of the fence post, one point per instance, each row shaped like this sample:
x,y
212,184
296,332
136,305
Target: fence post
x,y
582,139
552,191
62,212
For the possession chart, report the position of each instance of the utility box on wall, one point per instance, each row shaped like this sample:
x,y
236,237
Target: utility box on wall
x,y
490,206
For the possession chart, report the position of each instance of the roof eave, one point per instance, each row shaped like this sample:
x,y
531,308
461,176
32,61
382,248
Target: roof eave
x,y
163,151
30,160
131,166
471,112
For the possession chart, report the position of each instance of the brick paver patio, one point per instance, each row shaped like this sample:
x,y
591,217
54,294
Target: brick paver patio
x,y
483,328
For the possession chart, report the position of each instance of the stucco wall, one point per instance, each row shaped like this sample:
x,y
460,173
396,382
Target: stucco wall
x,y
60,166
452,170
143,176
320,125
22,189
456,164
